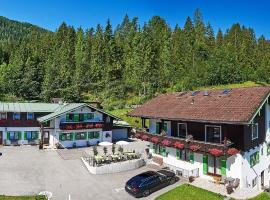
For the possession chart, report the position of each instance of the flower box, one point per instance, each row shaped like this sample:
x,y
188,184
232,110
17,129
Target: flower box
x,y
194,147
216,152
166,143
232,151
154,140
179,145
145,137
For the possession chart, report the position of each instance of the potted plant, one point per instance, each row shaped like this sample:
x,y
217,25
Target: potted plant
x,y
113,149
95,151
191,179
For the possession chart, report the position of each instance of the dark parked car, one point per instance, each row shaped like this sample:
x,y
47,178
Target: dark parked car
x,y
145,183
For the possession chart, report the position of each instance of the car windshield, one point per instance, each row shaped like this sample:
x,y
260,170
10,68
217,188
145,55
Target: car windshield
x,y
137,180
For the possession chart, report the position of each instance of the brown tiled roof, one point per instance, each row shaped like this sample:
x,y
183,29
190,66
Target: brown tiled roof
x,y
238,106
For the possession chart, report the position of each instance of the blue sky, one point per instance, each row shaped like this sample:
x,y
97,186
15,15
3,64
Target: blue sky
x,y
87,13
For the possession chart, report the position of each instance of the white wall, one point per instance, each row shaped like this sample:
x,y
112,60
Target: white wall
x,y
22,130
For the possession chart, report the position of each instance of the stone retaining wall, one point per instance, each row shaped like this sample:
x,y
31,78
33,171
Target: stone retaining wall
x,y
114,167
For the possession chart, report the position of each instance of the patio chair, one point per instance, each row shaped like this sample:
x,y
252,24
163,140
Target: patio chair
x,y
236,183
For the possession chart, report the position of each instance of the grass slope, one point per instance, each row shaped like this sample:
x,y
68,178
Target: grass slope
x,y
262,196
189,192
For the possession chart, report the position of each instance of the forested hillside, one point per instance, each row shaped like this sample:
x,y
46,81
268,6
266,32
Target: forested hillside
x,y
130,63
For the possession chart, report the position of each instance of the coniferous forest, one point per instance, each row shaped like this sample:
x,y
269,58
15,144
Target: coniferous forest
x,y
126,64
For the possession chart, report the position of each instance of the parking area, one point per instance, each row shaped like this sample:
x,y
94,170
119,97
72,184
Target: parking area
x,y
26,170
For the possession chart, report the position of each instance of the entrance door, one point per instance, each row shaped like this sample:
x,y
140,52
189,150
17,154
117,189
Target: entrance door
x,y
46,137
262,178
1,137
214,165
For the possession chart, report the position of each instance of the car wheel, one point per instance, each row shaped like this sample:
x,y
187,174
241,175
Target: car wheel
x,y
172,181
146,193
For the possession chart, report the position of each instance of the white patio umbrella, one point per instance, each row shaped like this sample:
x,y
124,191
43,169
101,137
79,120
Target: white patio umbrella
x,y
105,144
122,142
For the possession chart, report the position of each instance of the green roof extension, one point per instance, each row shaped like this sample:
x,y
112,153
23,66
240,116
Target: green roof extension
x,y
28,107
65,108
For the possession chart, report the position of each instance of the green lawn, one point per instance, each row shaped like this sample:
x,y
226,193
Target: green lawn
x,y
2,197
262,196
122,113
189,192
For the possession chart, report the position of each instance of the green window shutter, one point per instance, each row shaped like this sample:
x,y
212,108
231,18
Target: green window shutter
x,y
191,157
85,117
60,137
76,117
157,128
73,136
67,117
90,135
257,157
25,135
37,135
205,164
20,135
223,167
8,135
154,148
97,135
178,153
165,127
164,154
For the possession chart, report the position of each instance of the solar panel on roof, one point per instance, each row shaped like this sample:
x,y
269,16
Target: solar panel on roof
x,y
194,93
226,91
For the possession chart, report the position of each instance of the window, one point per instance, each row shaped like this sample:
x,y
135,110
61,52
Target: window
x,y
254,159
182,130
268,149
16,116
254,182
66,136
88,116
69,117
3,116
213,134
14,135
93,135
30,135
30,116
254,131
180,154
80,136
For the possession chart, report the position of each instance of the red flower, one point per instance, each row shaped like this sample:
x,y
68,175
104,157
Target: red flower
x,y
194,147
89,126
98,125
145,137
154,139
166,143
179,145
215,152
232,151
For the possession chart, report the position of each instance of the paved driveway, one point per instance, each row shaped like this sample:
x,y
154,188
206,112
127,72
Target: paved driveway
x,y
26,170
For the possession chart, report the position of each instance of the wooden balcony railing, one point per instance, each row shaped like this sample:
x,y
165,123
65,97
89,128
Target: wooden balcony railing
x,y
80,125
195,145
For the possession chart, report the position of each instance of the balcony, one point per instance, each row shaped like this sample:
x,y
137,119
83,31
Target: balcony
x,y
182,143
80,125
